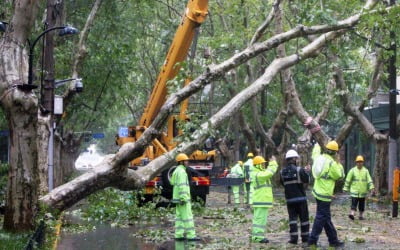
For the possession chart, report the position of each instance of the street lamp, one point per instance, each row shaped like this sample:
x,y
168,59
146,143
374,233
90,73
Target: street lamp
x,y
3,26
64,30
78,83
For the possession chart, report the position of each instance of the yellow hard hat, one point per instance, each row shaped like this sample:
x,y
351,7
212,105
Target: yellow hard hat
x,y
240,162
359,158
181,157
332,145
250,154
258,160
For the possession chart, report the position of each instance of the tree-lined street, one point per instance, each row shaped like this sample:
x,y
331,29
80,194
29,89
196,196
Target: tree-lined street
x,y
261,77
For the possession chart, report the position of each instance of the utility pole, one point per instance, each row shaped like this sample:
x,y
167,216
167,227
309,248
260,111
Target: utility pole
x,y
48,86
392,115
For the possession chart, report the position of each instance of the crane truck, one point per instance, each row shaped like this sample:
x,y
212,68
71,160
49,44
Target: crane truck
x,y
201,162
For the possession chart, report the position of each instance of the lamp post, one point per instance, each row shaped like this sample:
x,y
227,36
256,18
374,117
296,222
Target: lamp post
x,y
64,30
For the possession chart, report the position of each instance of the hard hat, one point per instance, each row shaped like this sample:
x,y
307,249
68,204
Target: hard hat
x,y
332,145
258,160
291,154
181,157
359,158
250,154
240,162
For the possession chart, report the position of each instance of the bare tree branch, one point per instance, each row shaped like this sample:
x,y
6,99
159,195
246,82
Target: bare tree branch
x,y
82,51
261,29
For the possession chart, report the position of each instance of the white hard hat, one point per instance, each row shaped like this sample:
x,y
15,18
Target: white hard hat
x,y
291,154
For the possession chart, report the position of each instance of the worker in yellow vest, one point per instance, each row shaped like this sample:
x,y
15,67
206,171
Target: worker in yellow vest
x,y
237,172
184,223
326,170
358,182
248,169
262,197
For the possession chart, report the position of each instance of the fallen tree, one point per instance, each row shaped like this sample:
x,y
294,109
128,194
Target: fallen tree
x,y
113,171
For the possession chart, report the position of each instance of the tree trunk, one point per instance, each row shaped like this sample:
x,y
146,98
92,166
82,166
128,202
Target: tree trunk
x,y
43,145
381,163
22,186
20,108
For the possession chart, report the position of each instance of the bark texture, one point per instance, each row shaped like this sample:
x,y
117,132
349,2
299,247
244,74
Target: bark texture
x,y
21,112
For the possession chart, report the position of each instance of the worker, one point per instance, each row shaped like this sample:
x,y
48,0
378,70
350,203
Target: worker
x,y
248,168
358,182
294,179
326,170
263,197
237,172
181,197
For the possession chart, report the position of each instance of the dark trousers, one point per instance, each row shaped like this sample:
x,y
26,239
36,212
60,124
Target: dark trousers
x,y
298,210
358,201
323,221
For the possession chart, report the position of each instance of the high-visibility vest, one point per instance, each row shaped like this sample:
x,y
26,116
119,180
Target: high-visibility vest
x,y
359,182
261,182
325,176
237,171
180,183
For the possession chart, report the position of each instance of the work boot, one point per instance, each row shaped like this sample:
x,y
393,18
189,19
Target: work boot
x,y
292,242
265,240
361,218
337,244
194,239
351,217
311,245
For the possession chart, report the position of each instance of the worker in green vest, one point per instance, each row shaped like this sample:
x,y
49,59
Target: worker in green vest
x,y
248,168
263,197
358,182
237,172
326,170
181,197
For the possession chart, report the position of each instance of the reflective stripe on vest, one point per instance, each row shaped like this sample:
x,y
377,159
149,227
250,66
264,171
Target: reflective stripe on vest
x,y
358,194
291,182
259,226
363,180
258,184
298,181
322,196
262,203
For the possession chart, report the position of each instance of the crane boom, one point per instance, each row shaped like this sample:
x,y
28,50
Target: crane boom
x,y
201,161
195,14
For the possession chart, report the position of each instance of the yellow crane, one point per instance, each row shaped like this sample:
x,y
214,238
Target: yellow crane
x,y
202,162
